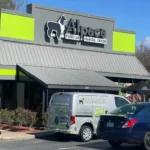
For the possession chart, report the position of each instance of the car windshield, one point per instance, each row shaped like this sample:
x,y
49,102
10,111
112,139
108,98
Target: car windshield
x,y
128,109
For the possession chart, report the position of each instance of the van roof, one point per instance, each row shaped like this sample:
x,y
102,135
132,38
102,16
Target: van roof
x,y
83,93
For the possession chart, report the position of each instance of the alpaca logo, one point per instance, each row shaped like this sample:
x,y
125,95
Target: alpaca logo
x,y
81,101
56,28
74,31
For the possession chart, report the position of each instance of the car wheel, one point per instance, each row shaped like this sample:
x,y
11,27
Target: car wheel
x,y
86,133
114,143
146,143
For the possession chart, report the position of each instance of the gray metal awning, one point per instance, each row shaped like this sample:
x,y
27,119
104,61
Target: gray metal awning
x,y
108,64
67,78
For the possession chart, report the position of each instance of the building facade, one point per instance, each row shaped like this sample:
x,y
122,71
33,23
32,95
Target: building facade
x,y
49,50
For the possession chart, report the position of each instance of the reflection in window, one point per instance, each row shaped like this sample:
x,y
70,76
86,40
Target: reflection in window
x,y
120,101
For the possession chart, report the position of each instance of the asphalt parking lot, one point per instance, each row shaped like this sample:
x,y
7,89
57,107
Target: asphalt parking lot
x,y
53,143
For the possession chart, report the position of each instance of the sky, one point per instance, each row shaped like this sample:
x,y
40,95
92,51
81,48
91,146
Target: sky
x,y
131,15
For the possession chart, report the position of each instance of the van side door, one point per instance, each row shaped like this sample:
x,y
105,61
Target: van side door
x,y
99,108
99,105
83,106
83,110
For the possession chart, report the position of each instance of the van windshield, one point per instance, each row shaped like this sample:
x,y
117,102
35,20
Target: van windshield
x,y
61,100
128,109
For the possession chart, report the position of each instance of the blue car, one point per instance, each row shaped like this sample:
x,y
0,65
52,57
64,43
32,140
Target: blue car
x,y
127,124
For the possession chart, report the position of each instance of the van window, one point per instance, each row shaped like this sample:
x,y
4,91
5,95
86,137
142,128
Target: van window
x,y
120,101
61,100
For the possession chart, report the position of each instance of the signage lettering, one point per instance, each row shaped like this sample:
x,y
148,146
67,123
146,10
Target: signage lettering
x,y
74,31
72,37
71,27
90,32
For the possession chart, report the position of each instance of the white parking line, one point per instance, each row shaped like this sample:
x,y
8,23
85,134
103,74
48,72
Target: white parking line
x,y
67,148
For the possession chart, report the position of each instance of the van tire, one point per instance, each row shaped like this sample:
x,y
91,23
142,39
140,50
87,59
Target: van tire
x,y
86,133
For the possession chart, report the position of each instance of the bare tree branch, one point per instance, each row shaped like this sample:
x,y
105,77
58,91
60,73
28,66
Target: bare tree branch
x,y
18,5
143,54
7,4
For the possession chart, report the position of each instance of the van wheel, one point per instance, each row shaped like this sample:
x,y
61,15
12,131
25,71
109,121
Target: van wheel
x,y
86,133
114,144
146,144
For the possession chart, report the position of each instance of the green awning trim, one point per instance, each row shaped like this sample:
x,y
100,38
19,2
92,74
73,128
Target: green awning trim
x,y
10,72
7,72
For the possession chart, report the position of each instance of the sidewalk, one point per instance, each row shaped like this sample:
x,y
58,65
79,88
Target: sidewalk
x,y
6,135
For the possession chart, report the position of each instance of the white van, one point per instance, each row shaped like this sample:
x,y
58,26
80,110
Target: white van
x,y
79,113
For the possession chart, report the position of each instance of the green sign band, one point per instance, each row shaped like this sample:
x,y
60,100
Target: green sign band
x,y
7,72
16,26
10,72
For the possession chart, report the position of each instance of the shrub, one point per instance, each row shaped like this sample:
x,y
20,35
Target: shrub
x,y
31,118
44,120
20,116
6,116
39,121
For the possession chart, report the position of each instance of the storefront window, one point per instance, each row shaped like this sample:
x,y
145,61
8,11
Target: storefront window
x,y
7,95
33,96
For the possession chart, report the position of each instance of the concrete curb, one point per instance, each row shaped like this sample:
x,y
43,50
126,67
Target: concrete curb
x,y
25,136
16,138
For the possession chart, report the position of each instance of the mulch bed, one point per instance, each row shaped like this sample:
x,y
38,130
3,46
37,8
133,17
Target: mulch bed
x,y
18,128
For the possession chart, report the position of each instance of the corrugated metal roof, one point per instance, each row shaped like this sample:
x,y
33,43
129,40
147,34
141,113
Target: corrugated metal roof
x,y
67,77
12,53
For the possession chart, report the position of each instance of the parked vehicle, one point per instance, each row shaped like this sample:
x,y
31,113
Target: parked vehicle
x,y
78,113
127,124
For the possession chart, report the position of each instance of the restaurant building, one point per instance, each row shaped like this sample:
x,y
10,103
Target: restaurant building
x,y
47,50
